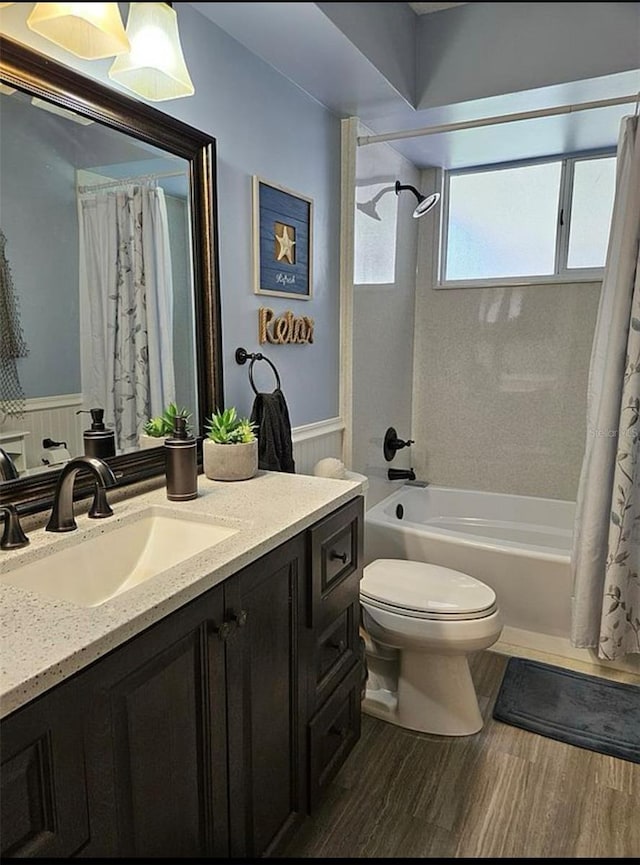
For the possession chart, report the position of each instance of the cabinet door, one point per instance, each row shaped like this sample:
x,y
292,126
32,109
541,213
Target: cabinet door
x,y
156,754
265,699
43,795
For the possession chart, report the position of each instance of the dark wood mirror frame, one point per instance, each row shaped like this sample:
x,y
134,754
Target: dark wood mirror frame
x,y
38,75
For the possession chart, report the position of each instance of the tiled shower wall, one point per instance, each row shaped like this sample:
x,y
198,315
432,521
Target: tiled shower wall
x,y
383,307
499,382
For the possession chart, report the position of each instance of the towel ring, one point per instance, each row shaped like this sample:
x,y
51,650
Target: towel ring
x,y
242,356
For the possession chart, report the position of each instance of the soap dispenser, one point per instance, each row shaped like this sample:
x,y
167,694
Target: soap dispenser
x,y
99,441
181,463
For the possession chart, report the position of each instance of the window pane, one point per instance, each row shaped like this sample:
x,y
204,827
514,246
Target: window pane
x,y
503,223
594,182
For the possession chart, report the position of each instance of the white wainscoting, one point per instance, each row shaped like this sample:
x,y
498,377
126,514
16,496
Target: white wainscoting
x,y
56,418
315,441
51,417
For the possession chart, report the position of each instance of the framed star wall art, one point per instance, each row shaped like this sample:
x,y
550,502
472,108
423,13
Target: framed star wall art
x,y
282,241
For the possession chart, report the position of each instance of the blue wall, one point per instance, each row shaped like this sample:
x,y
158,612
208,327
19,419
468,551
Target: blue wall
x,y
40,221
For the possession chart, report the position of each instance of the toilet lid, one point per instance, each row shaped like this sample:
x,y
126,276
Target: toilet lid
x,y
425,590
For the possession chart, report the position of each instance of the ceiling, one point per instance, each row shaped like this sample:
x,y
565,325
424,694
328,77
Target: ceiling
x,y
303,43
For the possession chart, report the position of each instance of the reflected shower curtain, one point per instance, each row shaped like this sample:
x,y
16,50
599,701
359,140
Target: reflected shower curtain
x,y
126,304
606,557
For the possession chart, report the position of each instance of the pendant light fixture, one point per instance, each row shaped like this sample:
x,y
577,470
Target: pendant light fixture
x,y
155,67
88,30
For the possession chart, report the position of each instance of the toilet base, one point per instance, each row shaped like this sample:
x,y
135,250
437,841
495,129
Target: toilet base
x,y
435,695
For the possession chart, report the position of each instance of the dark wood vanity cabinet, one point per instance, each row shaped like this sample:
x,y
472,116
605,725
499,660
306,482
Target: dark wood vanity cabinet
x,y
155,740
43,789
192,745
213,732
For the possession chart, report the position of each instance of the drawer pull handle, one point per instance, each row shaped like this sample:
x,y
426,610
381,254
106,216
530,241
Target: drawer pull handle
x,y
340,646
341,556
241,618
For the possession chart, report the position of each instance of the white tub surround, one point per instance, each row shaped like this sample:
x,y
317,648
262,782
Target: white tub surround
x,y
43,641
520,546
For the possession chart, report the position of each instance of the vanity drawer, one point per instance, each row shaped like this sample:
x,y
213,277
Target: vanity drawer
x,y
335,651
332,734
336,562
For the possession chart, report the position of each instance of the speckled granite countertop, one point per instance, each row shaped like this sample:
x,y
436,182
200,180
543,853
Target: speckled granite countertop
x,y
42,641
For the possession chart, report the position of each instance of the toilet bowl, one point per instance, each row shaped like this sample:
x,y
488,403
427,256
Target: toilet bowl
x,y
421,622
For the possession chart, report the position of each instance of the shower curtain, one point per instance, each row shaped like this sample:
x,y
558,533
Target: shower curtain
x,y
126,306
606,557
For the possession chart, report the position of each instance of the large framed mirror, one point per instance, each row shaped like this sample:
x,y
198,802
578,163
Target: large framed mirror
x,y
110,292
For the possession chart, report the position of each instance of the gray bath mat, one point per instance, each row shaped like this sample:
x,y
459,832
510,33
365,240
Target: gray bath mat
x,y
575,708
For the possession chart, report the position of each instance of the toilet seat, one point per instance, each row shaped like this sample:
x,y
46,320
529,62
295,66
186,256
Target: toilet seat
x,y
425,591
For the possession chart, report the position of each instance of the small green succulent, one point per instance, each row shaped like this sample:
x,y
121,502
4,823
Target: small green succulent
x,y
226,428
163,425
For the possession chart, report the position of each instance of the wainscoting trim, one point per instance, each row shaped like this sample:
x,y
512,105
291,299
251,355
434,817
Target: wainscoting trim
x,y
316,429
45,403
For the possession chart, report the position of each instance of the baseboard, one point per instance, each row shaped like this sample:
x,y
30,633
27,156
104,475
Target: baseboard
x,y
559,651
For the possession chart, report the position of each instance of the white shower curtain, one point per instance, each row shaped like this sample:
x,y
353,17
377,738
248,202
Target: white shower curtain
x,y
126,306
606,557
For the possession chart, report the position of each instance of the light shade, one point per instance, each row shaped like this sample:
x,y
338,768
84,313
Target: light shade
x,y
88,30
154,68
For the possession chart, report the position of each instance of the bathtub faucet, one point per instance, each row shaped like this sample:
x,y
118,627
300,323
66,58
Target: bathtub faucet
x,y
401,475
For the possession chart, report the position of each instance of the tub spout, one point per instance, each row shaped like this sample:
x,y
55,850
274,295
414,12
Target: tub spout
x,y
401,475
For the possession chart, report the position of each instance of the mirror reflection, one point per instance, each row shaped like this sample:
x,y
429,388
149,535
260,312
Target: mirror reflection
x,y
96,286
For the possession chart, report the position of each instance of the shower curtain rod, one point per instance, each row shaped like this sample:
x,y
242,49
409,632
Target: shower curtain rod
x,y
124,180
491,121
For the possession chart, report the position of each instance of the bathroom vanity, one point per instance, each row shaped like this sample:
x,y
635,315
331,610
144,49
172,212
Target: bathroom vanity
x,y
202,712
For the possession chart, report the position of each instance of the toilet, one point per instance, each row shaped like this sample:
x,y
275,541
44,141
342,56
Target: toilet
x,y
420,623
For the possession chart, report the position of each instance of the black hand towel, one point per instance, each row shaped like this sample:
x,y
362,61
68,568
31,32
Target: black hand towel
x,y
275,447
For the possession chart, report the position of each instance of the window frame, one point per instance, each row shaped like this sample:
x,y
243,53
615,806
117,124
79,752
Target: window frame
x,y
563,225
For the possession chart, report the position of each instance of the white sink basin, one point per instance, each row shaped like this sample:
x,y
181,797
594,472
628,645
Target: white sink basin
x,y
101,567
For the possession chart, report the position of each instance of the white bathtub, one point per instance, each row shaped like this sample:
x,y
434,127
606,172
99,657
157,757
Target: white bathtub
x,y
518,545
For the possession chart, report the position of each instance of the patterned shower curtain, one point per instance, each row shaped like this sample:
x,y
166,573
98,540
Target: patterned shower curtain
x,y
12,343
126,299
606,550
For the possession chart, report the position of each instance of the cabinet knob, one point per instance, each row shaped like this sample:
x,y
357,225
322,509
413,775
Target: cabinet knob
x,y
224,630
341,732
339,646
241,618
341,556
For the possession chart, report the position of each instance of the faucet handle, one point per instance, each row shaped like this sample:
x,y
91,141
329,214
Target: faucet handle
x,y
392,444
13,537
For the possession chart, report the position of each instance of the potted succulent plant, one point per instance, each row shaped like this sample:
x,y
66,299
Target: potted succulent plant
x,y
230,447
156,429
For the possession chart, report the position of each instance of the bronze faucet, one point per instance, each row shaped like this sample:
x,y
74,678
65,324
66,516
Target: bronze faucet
x,y
8,470
62,517
13,536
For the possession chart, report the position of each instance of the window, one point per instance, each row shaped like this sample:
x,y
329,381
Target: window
x,y
530,222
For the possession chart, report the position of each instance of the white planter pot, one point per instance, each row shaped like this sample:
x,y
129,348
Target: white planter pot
x,y
236,462
145,441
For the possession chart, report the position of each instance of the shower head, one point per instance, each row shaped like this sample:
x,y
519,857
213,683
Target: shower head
x,y
425,202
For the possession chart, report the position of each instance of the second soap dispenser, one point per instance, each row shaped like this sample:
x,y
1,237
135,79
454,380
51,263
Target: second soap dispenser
x,y
99,440
181,463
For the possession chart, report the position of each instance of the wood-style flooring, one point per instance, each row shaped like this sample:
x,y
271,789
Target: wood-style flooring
x,y
501,793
